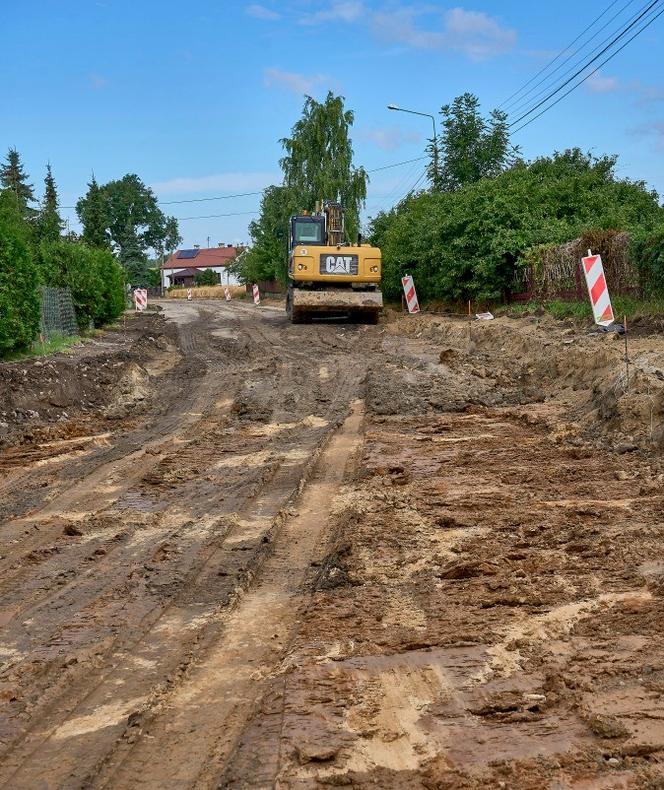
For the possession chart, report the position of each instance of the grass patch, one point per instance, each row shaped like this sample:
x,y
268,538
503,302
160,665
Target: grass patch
x,y
56,344
581,310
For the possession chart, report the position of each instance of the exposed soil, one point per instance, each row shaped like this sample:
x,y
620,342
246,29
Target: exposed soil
x,y
240,553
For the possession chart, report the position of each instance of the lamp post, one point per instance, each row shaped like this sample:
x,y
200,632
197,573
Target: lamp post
x,y
435,137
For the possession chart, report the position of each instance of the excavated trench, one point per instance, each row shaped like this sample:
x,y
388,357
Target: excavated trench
x,y
252,554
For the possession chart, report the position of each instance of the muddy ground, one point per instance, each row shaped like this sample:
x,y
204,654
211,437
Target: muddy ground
x,y
239,553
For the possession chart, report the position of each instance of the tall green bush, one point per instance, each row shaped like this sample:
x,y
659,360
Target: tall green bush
x,y
19,294
113,279
648,255
469,243
93,276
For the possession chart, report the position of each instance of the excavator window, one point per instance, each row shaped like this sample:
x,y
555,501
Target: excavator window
x,y
307,230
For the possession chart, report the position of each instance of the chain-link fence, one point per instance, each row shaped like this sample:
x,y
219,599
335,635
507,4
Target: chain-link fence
x,y
57,314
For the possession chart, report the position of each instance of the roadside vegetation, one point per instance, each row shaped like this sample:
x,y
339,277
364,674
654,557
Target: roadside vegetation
x,y
494,215
489,225
122,225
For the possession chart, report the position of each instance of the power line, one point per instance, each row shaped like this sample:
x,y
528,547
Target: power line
x,y
413,188
397,164
260,192
214,216
574,87
200,200
524,101
590,62
562,52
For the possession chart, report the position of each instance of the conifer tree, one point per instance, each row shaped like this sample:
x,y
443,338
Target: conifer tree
x,y
49,224
14,178
93,214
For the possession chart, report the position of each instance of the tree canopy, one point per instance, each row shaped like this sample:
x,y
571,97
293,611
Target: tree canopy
x,y
470,147
93,215
49,223
318,160
124,213
317,165
469,242
14,178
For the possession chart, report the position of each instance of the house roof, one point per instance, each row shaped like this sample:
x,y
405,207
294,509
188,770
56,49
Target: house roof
x,y
190,272
202,258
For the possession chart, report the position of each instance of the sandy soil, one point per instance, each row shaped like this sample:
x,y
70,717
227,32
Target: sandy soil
x,y
239,553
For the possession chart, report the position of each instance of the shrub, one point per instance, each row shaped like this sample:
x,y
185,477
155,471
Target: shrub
x,y
93,275
207,277
19,294
113,285
471,242
648,255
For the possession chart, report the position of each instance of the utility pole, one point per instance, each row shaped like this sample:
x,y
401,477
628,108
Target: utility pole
x,y
435,181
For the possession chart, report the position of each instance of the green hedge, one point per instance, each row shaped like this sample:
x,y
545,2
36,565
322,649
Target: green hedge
x,y
470,243
93,275
19,282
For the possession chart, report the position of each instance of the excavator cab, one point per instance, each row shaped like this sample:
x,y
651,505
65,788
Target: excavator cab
x,y
306,230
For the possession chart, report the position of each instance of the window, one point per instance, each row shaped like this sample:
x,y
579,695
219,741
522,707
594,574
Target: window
x,y
308,231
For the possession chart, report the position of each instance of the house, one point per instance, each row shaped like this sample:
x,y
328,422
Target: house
x,y
183,265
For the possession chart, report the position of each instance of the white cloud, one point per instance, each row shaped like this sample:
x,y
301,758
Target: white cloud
x,y
598,83
262,12
476,34
222,182
292,81
389,138
349,11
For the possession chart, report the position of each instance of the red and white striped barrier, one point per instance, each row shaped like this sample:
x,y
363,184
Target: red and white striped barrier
x,y
410,293
189,295
140,299
598,289
257,296
227,294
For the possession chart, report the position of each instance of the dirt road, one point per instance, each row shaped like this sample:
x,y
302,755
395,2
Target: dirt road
x,y
239,553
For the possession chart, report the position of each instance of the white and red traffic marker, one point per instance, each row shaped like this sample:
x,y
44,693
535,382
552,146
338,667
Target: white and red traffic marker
x,y
598,289
257,296
140,299
410,294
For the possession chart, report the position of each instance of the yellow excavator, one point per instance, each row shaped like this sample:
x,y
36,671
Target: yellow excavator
x,y
327,275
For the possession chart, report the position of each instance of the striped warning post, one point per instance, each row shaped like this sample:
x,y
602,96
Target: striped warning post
x,y
410,293
598,289
189,295
140,299
257,296
227,294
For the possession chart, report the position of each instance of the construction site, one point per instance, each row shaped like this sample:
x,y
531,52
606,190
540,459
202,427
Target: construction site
x,y
236,552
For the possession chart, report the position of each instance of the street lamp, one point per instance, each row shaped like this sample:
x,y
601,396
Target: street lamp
x,y
435,136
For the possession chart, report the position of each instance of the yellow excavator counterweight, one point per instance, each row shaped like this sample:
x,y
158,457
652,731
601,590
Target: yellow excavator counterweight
x,y
327,275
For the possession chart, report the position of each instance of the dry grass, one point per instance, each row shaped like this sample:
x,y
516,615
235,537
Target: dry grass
x,y
208,292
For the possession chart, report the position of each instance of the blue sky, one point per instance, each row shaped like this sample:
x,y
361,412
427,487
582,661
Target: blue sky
x,y
193,97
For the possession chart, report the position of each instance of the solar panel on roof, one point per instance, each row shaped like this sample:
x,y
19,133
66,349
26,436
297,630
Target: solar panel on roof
x,y
188,253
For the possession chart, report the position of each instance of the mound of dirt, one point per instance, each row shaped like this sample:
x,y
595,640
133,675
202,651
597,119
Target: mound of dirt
x,y
579,375
107,376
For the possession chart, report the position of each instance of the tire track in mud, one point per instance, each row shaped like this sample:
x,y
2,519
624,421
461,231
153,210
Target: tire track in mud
x,y
133,679
198,725
144,652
